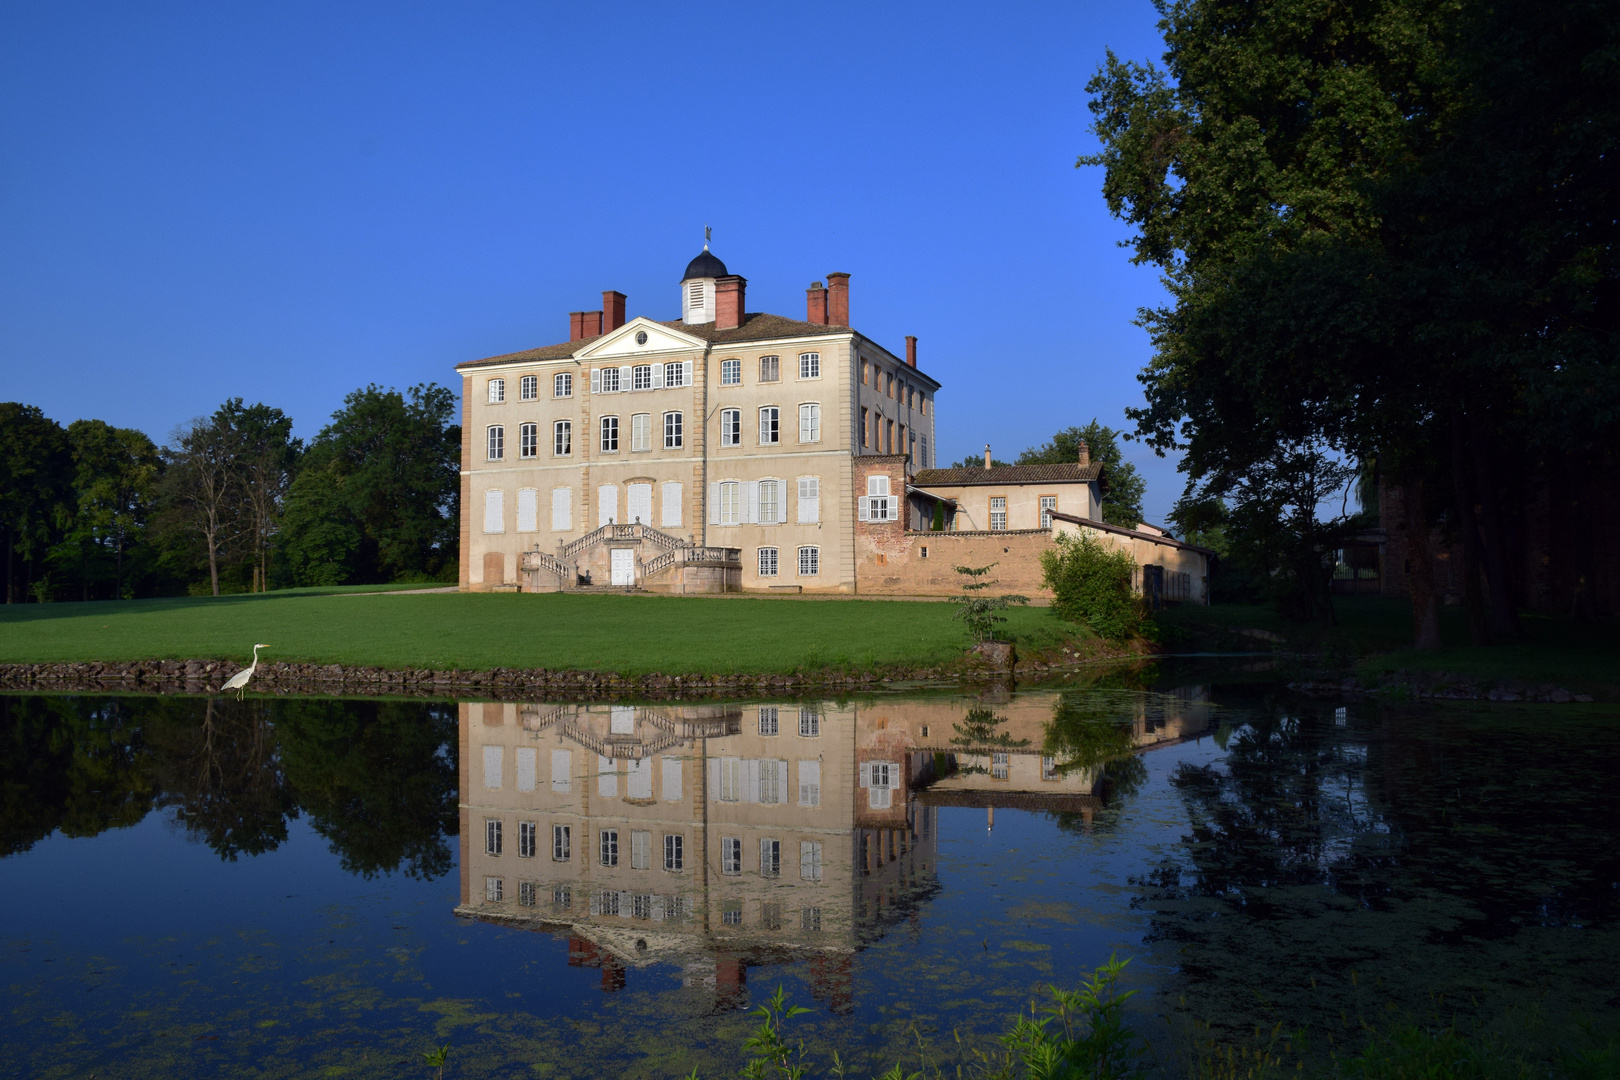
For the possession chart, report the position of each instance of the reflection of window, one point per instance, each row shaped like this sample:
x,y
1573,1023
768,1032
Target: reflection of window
x,y
809,724
768,720
770,915
731,855
1049,768
606,902
560,843
730,779
492,837
810,919
731,914
770,857
810,783
609,847
998,765
641,906
562,896
771,780
810,860
526,893
526,831
493,888
674,851
640,849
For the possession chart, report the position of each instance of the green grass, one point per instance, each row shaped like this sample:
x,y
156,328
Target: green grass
x,y
629,634
1375,634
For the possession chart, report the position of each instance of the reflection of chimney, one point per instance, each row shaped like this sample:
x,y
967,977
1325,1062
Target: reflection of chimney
x,y
989,818
815,304
728,301
911,349
1085,453
987,455
612,311
838,299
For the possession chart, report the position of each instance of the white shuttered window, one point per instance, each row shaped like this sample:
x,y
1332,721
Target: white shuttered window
x,y
495,511
810,422
562,509
810,783
770,502
809,499
526,511
670,510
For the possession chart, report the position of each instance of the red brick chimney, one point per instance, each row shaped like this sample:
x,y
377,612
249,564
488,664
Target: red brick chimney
x,y
816,304
911,349
1085,454
730,293
612,311
576,325
987,455
838,299
590,324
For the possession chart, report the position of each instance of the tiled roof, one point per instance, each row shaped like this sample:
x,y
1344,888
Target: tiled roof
x,y
757,326
1067,473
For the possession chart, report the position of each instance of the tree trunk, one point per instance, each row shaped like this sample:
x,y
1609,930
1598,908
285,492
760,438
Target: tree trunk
x,y
213,562
9,572
1425,598
1468,532
1504,619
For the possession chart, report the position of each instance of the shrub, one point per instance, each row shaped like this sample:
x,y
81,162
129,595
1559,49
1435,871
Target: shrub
x,y
1091,584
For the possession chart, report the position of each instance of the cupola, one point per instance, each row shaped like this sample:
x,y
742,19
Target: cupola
x,y
697,287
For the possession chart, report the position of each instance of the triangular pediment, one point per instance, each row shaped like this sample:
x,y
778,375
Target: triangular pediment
x,y
624,342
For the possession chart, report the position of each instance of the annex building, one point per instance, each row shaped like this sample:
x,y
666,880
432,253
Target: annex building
x,y
707,453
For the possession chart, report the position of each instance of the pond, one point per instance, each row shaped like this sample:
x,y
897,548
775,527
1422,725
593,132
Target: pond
x,y
279,887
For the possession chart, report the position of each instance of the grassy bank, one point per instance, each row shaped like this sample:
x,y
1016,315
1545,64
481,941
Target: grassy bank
x,y
1374,634
629,634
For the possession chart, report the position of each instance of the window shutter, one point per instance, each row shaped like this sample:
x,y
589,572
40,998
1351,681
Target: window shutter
x,y
494,511
686,373
624,378
714,503
658,376
596,380
751,780
861,511
562,509
714,779
866,774
671,510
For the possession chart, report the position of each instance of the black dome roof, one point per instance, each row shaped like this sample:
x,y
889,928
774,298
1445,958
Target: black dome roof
x,y
705,265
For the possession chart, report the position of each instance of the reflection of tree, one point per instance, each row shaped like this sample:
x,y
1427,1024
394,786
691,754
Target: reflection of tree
x,y
1093,733
378,779
980,733
74,764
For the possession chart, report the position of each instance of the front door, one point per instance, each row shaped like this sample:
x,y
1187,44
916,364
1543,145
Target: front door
x,y
624,566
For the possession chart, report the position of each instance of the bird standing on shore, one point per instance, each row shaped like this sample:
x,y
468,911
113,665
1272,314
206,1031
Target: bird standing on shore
x,y
239,681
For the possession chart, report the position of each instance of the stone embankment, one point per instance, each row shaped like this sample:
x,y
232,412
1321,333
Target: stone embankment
x,y
207,676
1437,686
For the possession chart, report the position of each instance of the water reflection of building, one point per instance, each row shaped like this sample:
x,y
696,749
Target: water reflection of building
x,y
717,837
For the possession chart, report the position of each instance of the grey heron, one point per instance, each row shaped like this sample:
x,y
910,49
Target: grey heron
x,y
239,681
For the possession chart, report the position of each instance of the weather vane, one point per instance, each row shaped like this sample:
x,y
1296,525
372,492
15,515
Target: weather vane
x,y
708,234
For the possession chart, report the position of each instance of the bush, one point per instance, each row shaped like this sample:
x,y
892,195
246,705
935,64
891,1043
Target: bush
x,y
1091,584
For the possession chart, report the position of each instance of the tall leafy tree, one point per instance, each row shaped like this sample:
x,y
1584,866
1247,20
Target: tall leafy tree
x,y
1124,486
36,477
201,500
115,477
266,462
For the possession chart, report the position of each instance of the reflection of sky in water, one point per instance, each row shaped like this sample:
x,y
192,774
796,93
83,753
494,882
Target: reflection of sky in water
x,y
142,950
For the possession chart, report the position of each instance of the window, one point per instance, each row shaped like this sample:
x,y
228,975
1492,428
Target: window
x,y
998,765
526,831
810,422
910,397
730,427
922,460
767,562
810,863
810,919
731,855
770,502
607,381
863,372
495,511
865,425
640,849
770,915
810,784
694,295
731,914
768,721
492,836
770,858
878,504
809,561
561,847
641,906
730,503
497,391
494,887
809,499
1049,768
562,384
526,893
772,781
609,853
562,896
641,432
809,724
1048,504
730,779
496,443
529,387
888,436
562,438
770,369
606,902
770,425
641,377
675,373
889,390
810,365
562,509
731,373
528,440
670,511
610,434
922,403
674,852
673,423
998,513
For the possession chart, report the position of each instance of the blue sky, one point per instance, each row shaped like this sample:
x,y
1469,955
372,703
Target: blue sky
x,y
287,201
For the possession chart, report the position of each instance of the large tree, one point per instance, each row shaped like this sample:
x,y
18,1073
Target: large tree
x,y
1124,486
36,477
1387,230
115,477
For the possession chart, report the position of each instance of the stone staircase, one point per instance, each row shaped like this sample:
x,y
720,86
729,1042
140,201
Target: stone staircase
x,y
559,573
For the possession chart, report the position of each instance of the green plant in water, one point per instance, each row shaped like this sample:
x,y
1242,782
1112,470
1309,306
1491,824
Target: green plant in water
x,y
1079,1033
977,611
770,1054
436,1059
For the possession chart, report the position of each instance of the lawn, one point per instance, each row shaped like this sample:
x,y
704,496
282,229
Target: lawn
x,y
630,634
1375,634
